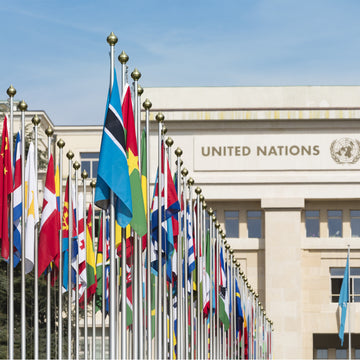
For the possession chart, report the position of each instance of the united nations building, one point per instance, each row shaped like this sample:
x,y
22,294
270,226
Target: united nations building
x,y
280,166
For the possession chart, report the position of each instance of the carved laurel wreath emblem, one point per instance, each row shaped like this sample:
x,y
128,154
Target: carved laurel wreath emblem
x,y
345,151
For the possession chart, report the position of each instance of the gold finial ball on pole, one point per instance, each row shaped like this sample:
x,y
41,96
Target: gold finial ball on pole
x,y
61,143
198,191
234,261
76,165
191,182
159,117
140,90
204,205
223,235
201,197
169,142
227,246
184,172
93,183
49,132
123,58
210,211
35,120
225,242
22,106
231,251
178,152
11,91
70,155
147,104
214,217
164,130
181,163
217,225
136,74
84,174
112,39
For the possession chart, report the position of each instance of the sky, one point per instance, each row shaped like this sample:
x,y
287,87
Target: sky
x,y
56,56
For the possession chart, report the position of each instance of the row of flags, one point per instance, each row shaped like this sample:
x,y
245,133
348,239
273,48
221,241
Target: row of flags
x,y
177,293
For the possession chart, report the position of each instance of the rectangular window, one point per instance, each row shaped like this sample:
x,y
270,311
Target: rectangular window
x,y
254,224
321,353
337,275
89,163
335,223
357,353
341,354
312,223
232,224
355,223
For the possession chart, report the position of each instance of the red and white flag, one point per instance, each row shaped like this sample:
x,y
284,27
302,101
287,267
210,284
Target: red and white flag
x,y
81,246
49,248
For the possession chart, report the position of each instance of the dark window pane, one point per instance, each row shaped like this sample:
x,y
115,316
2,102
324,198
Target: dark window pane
x,y
312,213
312,227
335,223
335,287
232,214
232,224
89,155
357,353
95,165
337,271
85,165
341,354
354,271
254,228
335,213
256,214
355,223
321,354
357,286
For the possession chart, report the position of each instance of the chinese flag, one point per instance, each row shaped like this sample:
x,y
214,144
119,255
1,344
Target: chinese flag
x,y
6,187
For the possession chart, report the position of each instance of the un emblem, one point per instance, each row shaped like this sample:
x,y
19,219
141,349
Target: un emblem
x,y
345,151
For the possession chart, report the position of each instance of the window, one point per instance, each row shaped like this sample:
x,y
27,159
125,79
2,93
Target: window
x,y
232,224
341,354
312,223
355,223
254,224
357,353
90,163
321,353
337,275
335,223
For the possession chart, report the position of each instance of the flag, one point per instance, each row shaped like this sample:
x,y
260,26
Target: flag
x,y
224,295
49,247
91,277
343,300
17,211
81,246
113,171
238,310
57,187
31,209
6,187
138,221
144,179
206,277
189,231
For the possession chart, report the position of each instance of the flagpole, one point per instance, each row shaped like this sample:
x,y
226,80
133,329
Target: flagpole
x,y
84,176
70,156
123,58
179,340
112,40
11,93
217,290
76,167
61,145
140,90
349,299
36,121
22,107
135,280
210,213
184,173
147,106
103,300
93,319
49,132
204,335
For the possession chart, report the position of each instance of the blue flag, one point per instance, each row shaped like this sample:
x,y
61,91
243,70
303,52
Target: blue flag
x,y
113,171
343,300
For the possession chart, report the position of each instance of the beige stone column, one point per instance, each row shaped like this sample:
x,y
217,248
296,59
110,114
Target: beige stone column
x,y
283,274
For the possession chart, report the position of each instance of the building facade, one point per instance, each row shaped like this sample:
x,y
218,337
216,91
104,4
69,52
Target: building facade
x,y
281,167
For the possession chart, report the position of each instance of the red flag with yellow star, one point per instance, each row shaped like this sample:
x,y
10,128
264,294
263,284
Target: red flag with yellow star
x,y
6,188
138,221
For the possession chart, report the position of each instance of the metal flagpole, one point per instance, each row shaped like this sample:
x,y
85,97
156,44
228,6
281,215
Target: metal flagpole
x,y
22,107
112,40
11,93
190,183
135,280
140,90
147,106
93,318
76,167
198,274
84,176
211,212
217,288
70,156
349,298
123,58
184,173
159,118
49,132
61,145
36,121
179,340
103,305
204,335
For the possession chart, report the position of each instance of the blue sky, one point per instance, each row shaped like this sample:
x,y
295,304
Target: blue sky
x,y
56,56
